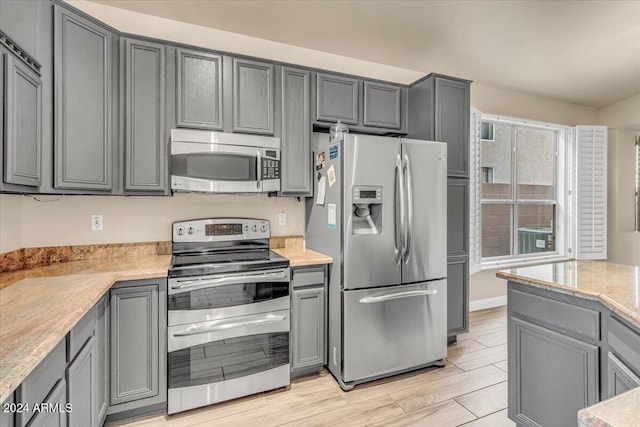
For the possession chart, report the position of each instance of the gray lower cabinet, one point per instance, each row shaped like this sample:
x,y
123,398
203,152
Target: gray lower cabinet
x,y
198,90
382,105
308,319
620,377
296,133
253,96
82,387
22,128
7,412
57,398
102,356
457,295
457,217
137,316
145,144
83,116
337,98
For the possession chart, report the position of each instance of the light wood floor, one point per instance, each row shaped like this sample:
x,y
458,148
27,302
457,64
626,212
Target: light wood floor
x,y
471,390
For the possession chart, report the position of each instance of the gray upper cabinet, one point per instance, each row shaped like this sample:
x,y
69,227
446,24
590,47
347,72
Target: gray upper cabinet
x,y
19,20
145,144
382,105
22,123
83,103
82,387
452,123
337,98
296,132
253,96
198,90
137,318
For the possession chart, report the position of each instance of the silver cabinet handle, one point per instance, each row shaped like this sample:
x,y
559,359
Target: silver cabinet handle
x,y
398,295
398,200
259,170
408,180
194,330
229,280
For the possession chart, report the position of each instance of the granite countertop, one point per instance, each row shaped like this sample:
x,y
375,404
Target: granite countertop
x,y
614,285
39,306
617,286
299,257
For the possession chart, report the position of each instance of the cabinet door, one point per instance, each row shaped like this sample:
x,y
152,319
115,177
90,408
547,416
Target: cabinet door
x,y
551,375
620,377
337,99
457,217
296,133
83,101
452,123
145,150
22,126
7,418
308,327
102,355
82,387
19,20
57,397
253,96
198,90
134,367
382,105
457,295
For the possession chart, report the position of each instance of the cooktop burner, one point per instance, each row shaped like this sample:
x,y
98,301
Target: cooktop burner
x,y
198,265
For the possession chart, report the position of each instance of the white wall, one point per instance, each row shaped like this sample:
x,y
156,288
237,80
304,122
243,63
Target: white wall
x,y
10,222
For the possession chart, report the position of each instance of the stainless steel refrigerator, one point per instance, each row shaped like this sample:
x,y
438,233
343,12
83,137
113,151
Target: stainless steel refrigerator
x,y
382,218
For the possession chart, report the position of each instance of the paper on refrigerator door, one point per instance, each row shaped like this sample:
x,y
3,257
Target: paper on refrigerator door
x,y
331,215
331,175
322,187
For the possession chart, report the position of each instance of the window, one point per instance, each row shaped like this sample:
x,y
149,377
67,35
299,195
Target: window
x,y
519,213
487,131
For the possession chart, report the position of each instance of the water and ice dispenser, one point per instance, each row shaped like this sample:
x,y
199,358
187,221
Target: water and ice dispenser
x,y
367,209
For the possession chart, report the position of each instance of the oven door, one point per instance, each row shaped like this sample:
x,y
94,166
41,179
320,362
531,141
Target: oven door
x,y
220,168
203,298
224,359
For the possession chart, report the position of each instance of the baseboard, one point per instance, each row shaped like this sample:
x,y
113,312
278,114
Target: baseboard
x,y
483,304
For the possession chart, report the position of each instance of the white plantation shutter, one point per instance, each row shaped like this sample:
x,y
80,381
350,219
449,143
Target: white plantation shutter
x,y
474,192
591,192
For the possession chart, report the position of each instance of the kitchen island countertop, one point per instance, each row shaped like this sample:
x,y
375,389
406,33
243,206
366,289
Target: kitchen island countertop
x,y
39,306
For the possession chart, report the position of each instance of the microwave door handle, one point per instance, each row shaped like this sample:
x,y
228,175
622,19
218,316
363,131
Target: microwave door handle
x,y
229,325
229,280
259,170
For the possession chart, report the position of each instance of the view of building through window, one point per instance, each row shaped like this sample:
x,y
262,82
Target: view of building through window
x,y
518,212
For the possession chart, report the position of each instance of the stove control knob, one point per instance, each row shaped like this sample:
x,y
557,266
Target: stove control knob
x,y
190,230
263,228
254,228
180,231
246,228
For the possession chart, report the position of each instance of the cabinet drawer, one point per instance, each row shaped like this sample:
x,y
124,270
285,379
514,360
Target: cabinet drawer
x,y
81,333
625,343
557,315
39,383
307,276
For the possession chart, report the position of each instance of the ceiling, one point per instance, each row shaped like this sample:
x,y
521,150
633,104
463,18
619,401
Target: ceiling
x,y
583,52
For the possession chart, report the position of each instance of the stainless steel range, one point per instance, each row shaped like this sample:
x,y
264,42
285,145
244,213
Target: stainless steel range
x,y
228,332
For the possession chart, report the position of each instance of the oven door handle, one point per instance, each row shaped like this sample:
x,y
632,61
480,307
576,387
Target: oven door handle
x,y
209,283
193,330
397,295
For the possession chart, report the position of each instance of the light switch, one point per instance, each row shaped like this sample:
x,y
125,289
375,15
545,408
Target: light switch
x,y
282,218
96,222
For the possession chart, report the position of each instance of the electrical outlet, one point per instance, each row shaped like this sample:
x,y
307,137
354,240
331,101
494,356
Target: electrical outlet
x,y
282,218
96,222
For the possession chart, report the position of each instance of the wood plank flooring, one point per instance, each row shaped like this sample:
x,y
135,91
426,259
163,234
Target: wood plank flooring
x,y
471,390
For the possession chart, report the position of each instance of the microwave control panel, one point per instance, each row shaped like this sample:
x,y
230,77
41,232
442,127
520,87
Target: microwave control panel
x,y
270,166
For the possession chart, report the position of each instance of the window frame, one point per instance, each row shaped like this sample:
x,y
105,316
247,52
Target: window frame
x,y
637,182
562,183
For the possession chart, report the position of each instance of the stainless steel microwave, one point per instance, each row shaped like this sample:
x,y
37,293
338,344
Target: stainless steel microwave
x,y
218,162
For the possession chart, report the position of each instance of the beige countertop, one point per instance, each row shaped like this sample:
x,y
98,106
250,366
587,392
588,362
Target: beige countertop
x,y
617,286
614,285
299,257
39,306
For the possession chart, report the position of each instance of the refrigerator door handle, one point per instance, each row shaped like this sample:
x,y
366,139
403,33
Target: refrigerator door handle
x,y
398,295
408,182
399,206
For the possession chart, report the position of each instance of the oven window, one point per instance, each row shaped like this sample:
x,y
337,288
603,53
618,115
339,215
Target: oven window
x,y
227,359
215,166
228,296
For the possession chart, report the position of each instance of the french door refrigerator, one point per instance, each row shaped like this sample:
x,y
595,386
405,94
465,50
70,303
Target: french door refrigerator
x,y
382,218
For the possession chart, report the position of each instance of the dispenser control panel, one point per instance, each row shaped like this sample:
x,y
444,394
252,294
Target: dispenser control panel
x,y
367,194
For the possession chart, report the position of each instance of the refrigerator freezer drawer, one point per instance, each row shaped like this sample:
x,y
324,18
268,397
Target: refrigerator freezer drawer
x,y
386,330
